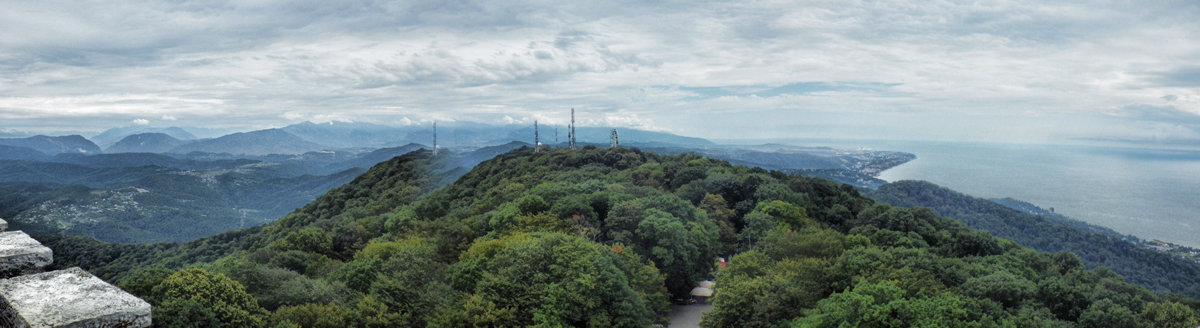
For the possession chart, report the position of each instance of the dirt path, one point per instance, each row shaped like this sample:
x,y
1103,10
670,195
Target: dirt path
x,y
686,316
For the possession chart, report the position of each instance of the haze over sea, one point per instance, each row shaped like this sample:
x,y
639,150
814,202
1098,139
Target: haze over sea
x,y
1149,193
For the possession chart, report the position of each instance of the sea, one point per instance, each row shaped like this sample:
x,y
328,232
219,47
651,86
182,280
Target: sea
x,y
1146,192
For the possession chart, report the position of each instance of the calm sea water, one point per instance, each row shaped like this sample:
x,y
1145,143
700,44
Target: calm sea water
x,y
1149,193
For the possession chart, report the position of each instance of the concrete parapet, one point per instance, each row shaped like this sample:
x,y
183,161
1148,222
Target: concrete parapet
x,y
20,254
68,298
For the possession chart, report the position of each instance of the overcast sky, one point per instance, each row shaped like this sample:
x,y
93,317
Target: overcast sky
x,y
1035,71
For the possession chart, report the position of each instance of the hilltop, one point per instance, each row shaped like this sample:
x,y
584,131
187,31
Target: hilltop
x,y
145,143
609,237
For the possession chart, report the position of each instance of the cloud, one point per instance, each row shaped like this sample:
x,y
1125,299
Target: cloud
x,y
141,121
1178,77
1166,114
701,66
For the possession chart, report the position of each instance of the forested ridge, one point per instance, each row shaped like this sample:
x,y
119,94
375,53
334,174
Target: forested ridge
x,y
1158,271
608,238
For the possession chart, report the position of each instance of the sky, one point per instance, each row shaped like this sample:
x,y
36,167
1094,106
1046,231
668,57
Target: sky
x,y
1008,71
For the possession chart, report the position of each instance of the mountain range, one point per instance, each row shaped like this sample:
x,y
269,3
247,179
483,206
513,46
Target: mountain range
x,y
54,145
111,136
609,238
150,142
168,186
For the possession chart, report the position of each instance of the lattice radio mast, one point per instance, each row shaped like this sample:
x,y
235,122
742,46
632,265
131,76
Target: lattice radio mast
x,y
435,148
536,144
612,139
571,134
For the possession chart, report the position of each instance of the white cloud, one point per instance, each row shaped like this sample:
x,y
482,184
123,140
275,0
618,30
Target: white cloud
x,y
633,64
141,121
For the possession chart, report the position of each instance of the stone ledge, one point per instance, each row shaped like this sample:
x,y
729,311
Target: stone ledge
x,y
20,254
68,298
3,225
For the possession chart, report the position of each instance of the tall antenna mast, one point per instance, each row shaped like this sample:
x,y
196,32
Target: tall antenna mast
x,y
572,133
612,140
435,148
537,145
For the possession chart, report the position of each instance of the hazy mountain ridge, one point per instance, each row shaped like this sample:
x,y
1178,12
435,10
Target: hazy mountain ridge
x,y
854,167
261,142
111,136
261,175
473,135
184,196
20,153
150,142
54,145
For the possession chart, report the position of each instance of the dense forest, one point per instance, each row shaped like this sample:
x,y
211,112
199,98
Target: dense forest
x,y
609,238
1097,247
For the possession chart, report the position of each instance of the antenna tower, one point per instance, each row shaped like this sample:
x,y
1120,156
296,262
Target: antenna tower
x,y
572,133
435,148
537,145
612,139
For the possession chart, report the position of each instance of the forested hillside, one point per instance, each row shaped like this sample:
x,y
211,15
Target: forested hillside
x,y
1095,246
608,238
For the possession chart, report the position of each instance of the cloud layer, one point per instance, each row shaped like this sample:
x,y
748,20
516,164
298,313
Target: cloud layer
x,y
1012,71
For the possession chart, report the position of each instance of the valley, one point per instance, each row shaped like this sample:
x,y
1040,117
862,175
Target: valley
x,y
193,188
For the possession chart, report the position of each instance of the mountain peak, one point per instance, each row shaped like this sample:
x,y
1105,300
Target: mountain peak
x,y
260,142
152,142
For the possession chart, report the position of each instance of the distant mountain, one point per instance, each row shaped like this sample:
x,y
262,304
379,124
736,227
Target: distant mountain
x,y
855,167
146,143
20,153
12,134
109,137
634,137
473,135
470,159
369,159
348,135
54,145
148,197
261,142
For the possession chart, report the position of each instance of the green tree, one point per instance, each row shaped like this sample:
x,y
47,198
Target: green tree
x,y
724,217
552,279
786,214
225,298
1001,286
474,312
885,305
1169,315
685,252
1066,295
1106,314
312,240
316,316
184,313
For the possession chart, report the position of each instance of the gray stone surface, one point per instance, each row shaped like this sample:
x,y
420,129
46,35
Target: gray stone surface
x,y
20,254
3,225
68,298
